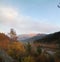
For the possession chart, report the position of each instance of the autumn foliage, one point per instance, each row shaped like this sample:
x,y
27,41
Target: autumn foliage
x,y
25,52
4,41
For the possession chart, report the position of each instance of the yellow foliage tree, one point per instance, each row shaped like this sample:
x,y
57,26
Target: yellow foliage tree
x,y
16,49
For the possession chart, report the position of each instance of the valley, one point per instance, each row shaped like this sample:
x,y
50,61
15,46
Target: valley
x,y
34,48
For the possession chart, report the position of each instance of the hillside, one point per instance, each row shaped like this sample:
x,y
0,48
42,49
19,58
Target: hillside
x,y
9,46
50,38
4,40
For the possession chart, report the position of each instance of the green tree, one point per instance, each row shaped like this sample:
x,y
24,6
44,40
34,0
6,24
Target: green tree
x,y
28,48
39,50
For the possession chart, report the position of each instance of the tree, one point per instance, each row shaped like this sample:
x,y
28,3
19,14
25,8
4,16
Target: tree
x,y
16,50
13,34
28,48
39,50
58,5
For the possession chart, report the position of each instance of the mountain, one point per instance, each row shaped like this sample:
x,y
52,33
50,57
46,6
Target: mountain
x,y
25,36
38,36
50,38
33,38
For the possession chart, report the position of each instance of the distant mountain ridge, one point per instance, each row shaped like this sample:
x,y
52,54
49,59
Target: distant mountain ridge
x,y
38,36
25,36
31,38
50,38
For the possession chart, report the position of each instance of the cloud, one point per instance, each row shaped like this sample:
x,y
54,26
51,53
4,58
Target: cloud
x,y
10,17
7,14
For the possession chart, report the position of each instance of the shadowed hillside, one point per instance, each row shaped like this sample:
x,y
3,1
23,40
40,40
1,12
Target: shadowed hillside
x,y
50,38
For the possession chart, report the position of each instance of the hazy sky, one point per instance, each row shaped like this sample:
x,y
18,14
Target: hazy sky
x,y
29,16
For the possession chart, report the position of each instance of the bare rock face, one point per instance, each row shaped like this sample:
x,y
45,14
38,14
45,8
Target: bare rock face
x,y
4,57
